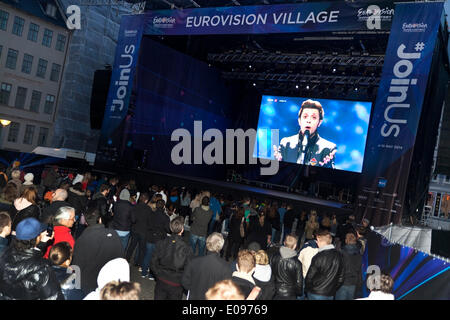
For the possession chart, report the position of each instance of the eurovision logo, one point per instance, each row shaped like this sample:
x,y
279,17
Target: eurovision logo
x,y
414,27
164,22
373,15
130,33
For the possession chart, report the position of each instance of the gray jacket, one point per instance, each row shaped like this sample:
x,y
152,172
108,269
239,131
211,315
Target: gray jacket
x,y
200,221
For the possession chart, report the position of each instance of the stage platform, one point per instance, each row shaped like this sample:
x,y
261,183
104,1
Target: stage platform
x,y
239,189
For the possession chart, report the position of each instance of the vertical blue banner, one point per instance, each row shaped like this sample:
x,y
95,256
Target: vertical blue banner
x,y
121,85
397,110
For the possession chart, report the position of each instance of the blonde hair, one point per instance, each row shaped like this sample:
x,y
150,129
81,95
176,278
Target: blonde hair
x,y
224,290
116,290
214,242
261,257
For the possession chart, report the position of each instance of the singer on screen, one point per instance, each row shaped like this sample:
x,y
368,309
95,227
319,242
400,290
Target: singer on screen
x,y
307,147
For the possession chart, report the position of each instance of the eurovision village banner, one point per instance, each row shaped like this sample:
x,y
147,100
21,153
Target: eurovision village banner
x,y
413,32
397,111
290,18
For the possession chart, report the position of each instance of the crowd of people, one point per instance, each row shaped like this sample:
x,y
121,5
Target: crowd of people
x,y
74,236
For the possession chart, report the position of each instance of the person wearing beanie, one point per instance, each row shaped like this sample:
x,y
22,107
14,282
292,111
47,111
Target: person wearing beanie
x,y
24,274
28,181
123,218
115,270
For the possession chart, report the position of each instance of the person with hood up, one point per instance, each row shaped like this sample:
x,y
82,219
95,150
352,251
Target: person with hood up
x,y
123,218
287,271
115,270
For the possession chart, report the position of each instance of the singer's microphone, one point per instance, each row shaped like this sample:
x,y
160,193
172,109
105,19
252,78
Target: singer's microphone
x,y
305,140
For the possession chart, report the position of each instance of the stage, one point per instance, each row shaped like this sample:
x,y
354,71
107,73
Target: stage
x,y
239,190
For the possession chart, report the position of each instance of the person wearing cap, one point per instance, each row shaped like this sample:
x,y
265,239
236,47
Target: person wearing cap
x,y
24,274
123,217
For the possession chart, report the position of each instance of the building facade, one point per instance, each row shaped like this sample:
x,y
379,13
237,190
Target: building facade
x,y
34,43
92,47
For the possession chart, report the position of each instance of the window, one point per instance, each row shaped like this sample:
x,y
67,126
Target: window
x,y
21,97
18,26
50,10
27,63
42,138
33,32
47,40
29,133
35,101
60,42
49,102
4,93
54,75
3,20
42,68
14,128
11,59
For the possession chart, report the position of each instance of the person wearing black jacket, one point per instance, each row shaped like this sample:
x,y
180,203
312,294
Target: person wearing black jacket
x,y
59,197
141,213
287,271
98,207
352,266
93,249
123,217
168,262
234,238
25,207
158,227
326,273
24,273
288,220
205,271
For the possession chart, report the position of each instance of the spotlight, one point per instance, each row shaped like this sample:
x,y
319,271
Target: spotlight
x,y
307,87
334,70
356,88
296,87
254,84
250,66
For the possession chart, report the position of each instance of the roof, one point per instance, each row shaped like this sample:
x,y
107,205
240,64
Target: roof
x,y
37,8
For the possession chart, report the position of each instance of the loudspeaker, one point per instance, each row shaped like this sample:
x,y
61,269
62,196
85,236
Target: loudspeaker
x,y
99,96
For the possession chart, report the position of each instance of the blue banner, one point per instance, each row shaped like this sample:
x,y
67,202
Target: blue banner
x,y
397,109
286,18
122,78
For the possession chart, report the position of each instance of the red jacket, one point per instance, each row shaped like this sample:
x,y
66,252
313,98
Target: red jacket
x,y
61,234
